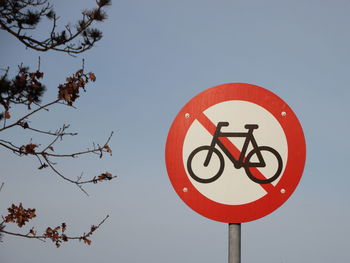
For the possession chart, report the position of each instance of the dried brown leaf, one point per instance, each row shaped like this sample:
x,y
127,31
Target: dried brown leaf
x,y
7,115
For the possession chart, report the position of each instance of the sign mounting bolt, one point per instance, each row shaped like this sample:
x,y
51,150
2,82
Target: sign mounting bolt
x,y
185,190
283,191
187,115
283,113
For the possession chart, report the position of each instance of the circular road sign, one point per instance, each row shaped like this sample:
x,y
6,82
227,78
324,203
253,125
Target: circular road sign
x,y
235,153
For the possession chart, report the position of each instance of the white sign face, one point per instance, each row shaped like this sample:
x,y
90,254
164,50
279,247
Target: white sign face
x,y
233,186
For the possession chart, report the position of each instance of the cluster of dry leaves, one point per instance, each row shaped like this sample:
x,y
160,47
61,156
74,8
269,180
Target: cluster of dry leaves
x,y
20,216
70,90
25,89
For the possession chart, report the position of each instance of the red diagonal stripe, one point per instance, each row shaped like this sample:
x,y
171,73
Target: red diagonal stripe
x,y
235,152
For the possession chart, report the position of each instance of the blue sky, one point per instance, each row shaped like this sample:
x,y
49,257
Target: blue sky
x,y
154,57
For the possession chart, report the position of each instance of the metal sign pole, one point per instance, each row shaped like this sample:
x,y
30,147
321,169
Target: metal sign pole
x,y
234,243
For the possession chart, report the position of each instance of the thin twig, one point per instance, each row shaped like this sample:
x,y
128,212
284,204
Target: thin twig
x,y
10,148
39,64
45,237
10,143
52,133
94,150
41,238
29,114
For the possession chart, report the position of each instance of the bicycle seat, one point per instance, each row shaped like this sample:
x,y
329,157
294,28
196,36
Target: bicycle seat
x,y
251,126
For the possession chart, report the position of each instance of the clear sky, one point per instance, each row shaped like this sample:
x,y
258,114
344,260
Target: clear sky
x,y
154,57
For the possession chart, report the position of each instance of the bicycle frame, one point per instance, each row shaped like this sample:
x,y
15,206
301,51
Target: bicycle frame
x,y
249,138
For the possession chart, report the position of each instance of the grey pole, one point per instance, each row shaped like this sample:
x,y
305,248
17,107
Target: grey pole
x,y
234,243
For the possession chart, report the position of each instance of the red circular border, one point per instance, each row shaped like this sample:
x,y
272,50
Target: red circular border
x,y
268,203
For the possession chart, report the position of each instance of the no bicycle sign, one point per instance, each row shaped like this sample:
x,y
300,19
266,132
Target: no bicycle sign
x,y
235,153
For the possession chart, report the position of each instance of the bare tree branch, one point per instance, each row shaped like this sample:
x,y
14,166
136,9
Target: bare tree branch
x,y
19,16
25,125
18,122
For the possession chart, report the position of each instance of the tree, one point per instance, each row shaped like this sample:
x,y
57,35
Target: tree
x,y
25,89
18,17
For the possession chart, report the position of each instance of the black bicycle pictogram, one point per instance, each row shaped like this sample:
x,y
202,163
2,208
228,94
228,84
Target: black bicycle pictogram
x,y
243,160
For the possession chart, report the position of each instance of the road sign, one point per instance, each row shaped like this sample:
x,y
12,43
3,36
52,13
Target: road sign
x,y
235,153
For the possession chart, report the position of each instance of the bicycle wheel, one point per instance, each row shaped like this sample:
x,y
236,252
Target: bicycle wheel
x,y
198,177
247,167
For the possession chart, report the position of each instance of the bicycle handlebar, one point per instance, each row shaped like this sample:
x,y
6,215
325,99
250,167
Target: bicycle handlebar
x,y
223,124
